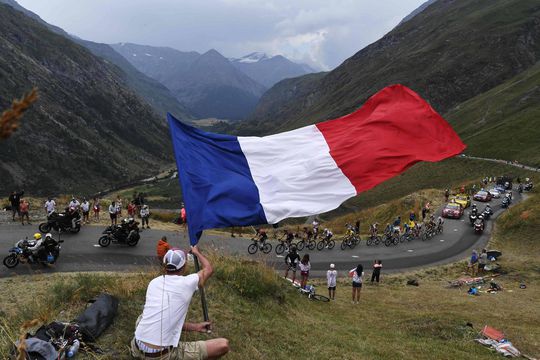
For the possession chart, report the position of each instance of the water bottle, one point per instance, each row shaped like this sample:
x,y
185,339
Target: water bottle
x,y
73,349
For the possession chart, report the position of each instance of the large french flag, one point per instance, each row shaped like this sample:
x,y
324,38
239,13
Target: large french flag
x,y
239,181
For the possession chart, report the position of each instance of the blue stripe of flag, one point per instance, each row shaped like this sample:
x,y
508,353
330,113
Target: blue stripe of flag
x,y
216,181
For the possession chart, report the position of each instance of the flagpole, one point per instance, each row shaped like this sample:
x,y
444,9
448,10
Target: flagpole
x,y
203,296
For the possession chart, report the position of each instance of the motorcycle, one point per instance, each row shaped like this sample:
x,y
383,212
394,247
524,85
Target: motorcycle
x,y
505,202
125,233
528,186
479,226
66,221
47,254
472,217
487,212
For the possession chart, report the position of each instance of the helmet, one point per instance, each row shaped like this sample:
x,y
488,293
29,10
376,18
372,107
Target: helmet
x,y
293,248
325,229
37,236
48,235
473,205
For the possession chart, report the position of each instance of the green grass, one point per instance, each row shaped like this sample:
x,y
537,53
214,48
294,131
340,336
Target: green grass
x,y
504,122
265,318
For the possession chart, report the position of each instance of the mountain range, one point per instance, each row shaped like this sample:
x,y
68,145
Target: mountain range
x,y
209,84
87,131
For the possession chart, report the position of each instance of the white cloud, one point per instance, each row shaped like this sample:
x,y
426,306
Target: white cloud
x,y
320,32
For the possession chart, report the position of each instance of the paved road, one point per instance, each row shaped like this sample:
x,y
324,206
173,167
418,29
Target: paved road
x,y
80,252
505,162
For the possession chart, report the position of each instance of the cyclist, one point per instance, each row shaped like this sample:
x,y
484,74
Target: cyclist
x,y
327,236
308,234
261,237
397,222
388,230
315,225
350,229
291,260
440,222
289,237
373,229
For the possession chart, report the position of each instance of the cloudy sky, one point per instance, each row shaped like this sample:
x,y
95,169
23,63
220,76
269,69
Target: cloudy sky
x,y
318,32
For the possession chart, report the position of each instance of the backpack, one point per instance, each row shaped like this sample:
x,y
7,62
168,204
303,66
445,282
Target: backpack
x,y
97,317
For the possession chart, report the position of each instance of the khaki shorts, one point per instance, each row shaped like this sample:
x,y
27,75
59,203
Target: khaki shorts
x,y
195,350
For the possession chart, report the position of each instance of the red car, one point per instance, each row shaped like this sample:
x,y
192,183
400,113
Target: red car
x,y
452,210
482,195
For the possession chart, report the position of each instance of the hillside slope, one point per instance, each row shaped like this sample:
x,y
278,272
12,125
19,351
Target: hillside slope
x,y
504,122
87,130
449,53
156,94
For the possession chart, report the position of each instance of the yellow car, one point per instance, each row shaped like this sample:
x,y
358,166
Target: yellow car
x,y
461,199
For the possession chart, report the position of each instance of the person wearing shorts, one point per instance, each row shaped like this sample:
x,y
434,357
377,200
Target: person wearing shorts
x,y
305,266
331,277
291,261
113,213
97,208
357,275
159,328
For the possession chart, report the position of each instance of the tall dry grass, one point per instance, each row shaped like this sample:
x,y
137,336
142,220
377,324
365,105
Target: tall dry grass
x,y
10,119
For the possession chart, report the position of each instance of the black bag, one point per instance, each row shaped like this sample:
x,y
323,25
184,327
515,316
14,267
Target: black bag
x,y
97,317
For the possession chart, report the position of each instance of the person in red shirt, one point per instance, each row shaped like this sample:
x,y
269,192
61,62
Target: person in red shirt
x,y
162,248
132,209
24,210
183,215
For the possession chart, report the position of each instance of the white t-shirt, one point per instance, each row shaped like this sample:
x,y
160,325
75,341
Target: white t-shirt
x,y
85,206
331,276
50,205
165,309
304,267
74,204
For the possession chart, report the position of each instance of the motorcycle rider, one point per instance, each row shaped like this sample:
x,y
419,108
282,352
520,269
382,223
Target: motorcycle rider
x,y
36,248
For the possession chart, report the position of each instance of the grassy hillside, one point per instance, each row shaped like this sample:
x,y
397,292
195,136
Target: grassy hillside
x,y
503,123
264,317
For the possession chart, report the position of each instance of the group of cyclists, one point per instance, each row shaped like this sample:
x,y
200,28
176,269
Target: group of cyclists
x,y
313,237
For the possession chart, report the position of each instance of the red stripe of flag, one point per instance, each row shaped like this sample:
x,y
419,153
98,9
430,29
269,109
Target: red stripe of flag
x,y
392,131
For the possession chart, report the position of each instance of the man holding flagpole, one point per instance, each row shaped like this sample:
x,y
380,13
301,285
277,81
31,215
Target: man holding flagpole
x,y
158,329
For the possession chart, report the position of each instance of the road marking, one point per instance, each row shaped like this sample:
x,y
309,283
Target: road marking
x,y
455,229
96,245
442,240
463,220
410,250
354,256
280,256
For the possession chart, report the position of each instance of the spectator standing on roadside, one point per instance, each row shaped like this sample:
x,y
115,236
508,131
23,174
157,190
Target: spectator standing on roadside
x,y
118,203
357,227
74,204
50,206
113,213
357,275
305,267
137,202
473,263
145,215
24,208
15,201
331,277
97,208
183,215
446,195
85,207
482,261
291,262
162,248
377,267
131,209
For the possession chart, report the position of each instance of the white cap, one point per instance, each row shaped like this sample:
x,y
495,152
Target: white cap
x,y
174,260
332,266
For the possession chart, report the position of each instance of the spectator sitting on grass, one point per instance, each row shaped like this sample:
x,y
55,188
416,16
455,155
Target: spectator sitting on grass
x,y
160,326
